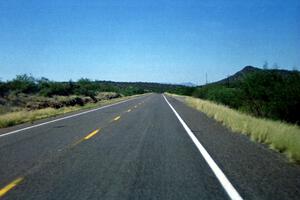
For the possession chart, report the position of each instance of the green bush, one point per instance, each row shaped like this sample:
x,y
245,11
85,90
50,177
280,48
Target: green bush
x,y
49,89
3,89
23,84
265,93
220,94
273,95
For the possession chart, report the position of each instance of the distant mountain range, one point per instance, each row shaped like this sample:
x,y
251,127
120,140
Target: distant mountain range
x,y
188,84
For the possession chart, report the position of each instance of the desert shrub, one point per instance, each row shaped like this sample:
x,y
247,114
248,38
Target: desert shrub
x,y
49,89
265,93
220,94
23,84
273,95
3,89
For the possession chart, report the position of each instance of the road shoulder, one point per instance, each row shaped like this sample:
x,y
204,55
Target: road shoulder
x,y
256,171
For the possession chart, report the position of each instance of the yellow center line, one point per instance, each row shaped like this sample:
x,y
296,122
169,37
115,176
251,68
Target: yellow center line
x,y
77,142
10,186
117,118
91,134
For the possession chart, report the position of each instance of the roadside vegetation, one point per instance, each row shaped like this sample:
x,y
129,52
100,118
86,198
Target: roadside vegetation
x,y
264,93
23,116
261,103
279,136
26,98
26,84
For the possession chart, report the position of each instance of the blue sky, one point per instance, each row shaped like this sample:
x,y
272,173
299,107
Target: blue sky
x,y
157,41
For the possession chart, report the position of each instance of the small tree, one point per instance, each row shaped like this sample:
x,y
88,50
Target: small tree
x,y
24,84
3,89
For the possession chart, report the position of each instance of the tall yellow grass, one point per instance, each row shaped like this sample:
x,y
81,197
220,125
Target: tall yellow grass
x,y
279,136
14,118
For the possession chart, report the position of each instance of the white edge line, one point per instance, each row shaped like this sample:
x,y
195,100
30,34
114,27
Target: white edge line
x,y
67,117
230,190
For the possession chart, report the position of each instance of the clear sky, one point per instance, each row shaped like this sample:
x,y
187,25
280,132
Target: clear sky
x,y
158,41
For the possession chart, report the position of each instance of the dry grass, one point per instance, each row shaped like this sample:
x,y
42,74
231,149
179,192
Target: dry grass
x,y
14,118
279,136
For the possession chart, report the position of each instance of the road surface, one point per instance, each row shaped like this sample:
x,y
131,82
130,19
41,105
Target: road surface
x,y
150,147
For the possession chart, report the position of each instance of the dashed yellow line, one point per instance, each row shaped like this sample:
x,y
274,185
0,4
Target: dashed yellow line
x,y
117,118
10,186
91,134
76,143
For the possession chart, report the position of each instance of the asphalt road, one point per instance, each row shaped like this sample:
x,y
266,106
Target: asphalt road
x,y
140,149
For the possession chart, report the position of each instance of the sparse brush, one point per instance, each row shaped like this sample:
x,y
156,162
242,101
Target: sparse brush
x,y
279,136
14,118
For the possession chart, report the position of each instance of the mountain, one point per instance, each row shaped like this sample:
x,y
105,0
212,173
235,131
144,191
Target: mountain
x,y
238,75
266,93
250,69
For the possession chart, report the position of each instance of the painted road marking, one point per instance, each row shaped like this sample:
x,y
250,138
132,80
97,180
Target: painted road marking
x,y
117,118
76,143
10,186
91,134
231,191
67,117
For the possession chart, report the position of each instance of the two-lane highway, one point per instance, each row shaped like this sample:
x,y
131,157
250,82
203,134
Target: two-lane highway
x,y
138,149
